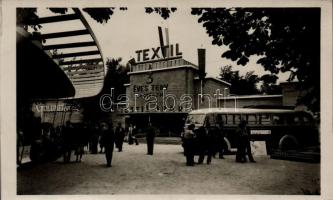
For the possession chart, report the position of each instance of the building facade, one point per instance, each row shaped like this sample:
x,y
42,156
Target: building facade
x,y
163,91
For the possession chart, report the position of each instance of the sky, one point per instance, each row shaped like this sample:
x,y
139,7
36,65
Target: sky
x,y
133,29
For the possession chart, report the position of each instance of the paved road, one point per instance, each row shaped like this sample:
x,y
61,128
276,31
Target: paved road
x,y
134,172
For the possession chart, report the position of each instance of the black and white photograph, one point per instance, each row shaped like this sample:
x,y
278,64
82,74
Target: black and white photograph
x,y
167,99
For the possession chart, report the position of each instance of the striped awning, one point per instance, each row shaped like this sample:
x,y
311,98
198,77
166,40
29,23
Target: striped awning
x,y
72,44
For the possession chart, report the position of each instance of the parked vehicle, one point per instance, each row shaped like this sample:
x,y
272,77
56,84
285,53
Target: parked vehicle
x,y
280,129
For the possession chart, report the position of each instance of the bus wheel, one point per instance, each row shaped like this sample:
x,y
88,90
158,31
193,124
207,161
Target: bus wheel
x,y
226,145
288,142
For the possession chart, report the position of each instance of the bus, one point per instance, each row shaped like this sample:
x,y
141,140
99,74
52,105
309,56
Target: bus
x,y
278,128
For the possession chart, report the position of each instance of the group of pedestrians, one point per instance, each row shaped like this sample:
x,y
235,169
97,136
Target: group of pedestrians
x,y
75,138
209,142
203,143
206,141
111,137
102,134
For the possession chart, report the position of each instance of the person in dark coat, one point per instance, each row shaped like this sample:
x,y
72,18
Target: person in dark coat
x,y
86,134
206,142
210,144
94,139
150,138
120,135
129,132
220,137
243,143
131,135
247,145
201,137
101,145
108,140
80,142
189,145
214,133
68,141
134,132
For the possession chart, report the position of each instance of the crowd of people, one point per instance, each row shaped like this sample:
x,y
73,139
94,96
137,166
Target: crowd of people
x,y
49,143
101,134
205,142
210,141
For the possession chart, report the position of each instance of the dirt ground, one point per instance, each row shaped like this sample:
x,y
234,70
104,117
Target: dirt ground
x,y
134,172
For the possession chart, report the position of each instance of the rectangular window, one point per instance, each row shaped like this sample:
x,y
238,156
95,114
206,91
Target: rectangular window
x,y
237,119
278,119
251,119
230,119
307,119
222,118
195,119
265,119
210,120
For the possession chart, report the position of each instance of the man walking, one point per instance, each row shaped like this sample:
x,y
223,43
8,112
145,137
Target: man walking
x,y
131,135
243,145
189,145
202,144
150,138
120,135
206,142
108,140
134,132
220,137
247,138
68,141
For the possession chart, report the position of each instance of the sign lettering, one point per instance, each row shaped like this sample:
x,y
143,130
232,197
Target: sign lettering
x,y
156,53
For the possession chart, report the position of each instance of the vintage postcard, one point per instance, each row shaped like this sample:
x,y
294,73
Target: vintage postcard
x,y
170,100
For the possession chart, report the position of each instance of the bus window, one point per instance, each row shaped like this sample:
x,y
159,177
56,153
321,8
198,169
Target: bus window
x,y
219,119
293,119
195,119
209,121
298,120
238,119
230,119
307,119
224,119
277,119
251,119
264,119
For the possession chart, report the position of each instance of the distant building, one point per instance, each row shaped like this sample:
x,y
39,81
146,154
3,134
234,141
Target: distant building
x,y
248,101
287,100
163,91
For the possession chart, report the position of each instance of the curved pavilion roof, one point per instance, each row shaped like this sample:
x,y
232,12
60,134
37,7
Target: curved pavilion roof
x,y
38,76
74,47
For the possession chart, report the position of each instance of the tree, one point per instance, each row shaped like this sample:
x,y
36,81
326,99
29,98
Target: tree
x,y
115,77
283,39
241,85
25,16
269,85
162,11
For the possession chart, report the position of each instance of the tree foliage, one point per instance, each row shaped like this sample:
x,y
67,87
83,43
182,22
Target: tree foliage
x,y
240,85
23,15
116,77
100,15
164,12
269,85
283,39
